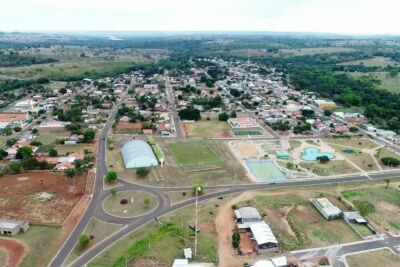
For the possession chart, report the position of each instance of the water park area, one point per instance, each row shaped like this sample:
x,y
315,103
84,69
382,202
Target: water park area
x,y
312,154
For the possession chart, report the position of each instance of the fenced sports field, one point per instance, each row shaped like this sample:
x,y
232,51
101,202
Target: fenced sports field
x,y
265,171
193,153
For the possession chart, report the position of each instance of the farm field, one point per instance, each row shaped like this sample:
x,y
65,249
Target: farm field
x,y
373,62
207,129
193,153
382,257
135,205
19,199
225,170
392,84
386,202
97,229
174,230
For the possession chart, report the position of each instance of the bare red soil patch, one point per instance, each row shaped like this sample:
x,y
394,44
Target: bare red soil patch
x,y
17,200
15,251
224,134
130,125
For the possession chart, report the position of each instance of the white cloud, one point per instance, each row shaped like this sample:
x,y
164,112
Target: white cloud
x,y
342,16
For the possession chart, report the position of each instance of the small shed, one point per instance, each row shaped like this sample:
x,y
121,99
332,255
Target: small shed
x,y
11,227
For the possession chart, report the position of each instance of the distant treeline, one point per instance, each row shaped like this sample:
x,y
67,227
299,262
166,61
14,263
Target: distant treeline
x,y
13,59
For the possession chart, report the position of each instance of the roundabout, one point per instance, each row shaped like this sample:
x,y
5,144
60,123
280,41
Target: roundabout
x,y
129,203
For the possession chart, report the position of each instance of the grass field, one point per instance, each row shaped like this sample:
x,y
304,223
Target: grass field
x,y
3,257
373,62
382,258
314,51
174,230
297,224
135,205
333,167
193,153
392,84
357,143
39,240
99,230
363,160
60,71
386,202
226,170
385,152
207,129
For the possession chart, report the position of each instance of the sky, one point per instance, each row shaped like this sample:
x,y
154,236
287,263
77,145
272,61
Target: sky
x,y
327,16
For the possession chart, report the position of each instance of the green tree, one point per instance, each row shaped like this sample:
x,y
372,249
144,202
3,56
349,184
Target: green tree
x,y
235,240
146,201
387,181
84,240
35,131
17,129
364,207
111,176
89,135
142,172
62,91
15,167
53,152
24,152
223,116
3,154
199,187
290,165
11,142
390,161
190,114
113,192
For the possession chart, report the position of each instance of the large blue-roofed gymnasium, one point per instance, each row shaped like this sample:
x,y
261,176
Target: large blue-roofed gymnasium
x,y
138,154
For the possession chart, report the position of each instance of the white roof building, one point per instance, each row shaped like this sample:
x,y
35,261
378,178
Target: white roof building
x,y
263,234
326,208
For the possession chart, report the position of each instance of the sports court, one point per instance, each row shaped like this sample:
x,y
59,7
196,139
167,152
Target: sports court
x,y
265,171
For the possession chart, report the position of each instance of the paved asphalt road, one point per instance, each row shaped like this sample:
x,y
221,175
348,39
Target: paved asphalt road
x,y
95,207
174,113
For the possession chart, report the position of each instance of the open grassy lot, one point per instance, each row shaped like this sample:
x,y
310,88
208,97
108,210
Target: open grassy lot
x,y
363,160
207,129
296,223
50,137
373,62
166,240
385,201
99,230
60,71
314,51
135,205
3,257
389,83
382,257
358,143
40,242
385,152
193,153
226,170
333,167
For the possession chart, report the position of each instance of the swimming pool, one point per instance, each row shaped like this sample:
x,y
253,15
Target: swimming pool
x,y
265,171
312,153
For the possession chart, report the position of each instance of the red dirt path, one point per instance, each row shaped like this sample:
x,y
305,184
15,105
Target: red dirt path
x,y
15,250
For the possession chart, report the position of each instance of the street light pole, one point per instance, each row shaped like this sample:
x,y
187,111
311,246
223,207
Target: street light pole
x,y
195,225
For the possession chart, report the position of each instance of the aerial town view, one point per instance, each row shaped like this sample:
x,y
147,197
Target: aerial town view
x,y
258,133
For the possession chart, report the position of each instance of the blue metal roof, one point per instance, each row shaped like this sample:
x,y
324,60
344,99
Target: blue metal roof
x,y
137,154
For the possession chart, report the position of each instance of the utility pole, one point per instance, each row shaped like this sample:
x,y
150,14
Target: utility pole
x,y
198,188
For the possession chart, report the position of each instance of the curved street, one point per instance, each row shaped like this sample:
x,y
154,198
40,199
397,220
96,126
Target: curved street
x,y
95,208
